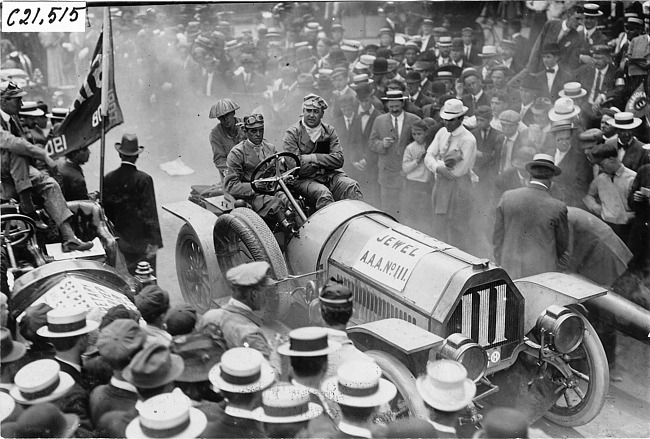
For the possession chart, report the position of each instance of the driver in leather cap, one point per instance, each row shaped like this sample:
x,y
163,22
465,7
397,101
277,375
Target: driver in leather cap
x,y
242,161
320,180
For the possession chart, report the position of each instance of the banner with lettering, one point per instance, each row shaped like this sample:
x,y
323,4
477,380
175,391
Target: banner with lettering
x,y
82,126
390,257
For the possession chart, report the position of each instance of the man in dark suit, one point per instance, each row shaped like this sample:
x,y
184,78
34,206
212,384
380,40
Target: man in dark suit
x,y
630,149
528,91
553,77
531,233
600,78
391,133
591,34
414,88
488,145
564,34
428,39
74,182
508,56
573,183
366,160
471,50
476,95
130,204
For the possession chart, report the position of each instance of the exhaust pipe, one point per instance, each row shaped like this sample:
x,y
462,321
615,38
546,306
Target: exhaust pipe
x,y
627,317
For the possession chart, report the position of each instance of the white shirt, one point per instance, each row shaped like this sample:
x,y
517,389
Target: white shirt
x,y
425,42
550,77
444,141
400,122
364,118
559,156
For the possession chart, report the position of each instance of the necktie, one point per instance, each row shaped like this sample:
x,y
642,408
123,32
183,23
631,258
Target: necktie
x,y
599,78
396,128
467,51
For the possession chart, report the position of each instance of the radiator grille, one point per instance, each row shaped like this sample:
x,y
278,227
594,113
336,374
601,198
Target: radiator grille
x,y
490,315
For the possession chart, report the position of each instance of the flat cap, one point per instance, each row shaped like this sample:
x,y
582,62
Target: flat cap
x,y
250,274
120,340
591,135
509,116
152,302
483,111
181,319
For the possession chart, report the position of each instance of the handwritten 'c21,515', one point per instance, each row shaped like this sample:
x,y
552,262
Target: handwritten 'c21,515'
x,y
44,17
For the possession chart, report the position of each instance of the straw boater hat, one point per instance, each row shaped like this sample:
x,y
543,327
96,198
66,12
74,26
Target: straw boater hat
x,y
592,10
286,403
67,322
40,381
58,113
359,384
452,109
572,90
7,406
30,108
394,95
445,386
10,350
543,161
564,108
169,415
625,121
242,370
488,52
310,341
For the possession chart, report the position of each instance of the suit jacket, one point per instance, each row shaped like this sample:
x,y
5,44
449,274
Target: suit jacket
x,y
130,204
351,142
473,57
573,183
562,77
635,156
509,180
423,100
528,118
74,183
586,75
390,160
487,167
531,232
570,46
468,101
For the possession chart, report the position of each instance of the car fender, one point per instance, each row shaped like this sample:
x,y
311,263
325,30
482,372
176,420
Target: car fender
x,y
543,290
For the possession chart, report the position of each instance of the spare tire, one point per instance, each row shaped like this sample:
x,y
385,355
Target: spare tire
x,y
242,236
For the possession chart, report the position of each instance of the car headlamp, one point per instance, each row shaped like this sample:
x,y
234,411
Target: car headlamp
x,y
460,348
562,328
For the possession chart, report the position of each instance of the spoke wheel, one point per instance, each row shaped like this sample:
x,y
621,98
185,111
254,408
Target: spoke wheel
x,y
192,270
242,236
582,395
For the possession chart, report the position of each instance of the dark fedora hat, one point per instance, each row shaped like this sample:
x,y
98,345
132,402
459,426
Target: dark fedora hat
x,y
543,161
129,145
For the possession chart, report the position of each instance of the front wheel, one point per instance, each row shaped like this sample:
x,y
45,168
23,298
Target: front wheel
x,y
194,271
242,236
582,395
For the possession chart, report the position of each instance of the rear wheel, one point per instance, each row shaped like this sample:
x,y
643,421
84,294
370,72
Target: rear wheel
x,y
193,270
408,401
581,395
242,236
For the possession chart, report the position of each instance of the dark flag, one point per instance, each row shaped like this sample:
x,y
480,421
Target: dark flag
x,y
82,126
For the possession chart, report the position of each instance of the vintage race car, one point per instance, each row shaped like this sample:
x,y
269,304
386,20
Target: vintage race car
x,y
416,298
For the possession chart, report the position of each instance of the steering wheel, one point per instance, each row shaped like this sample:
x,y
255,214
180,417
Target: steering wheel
x,y
16,229
269,185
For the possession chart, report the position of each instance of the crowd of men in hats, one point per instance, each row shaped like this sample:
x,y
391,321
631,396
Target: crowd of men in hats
x,y
517,149
157,371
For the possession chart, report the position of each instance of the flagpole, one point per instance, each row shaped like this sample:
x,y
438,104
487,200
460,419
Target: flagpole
x,y
106,53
